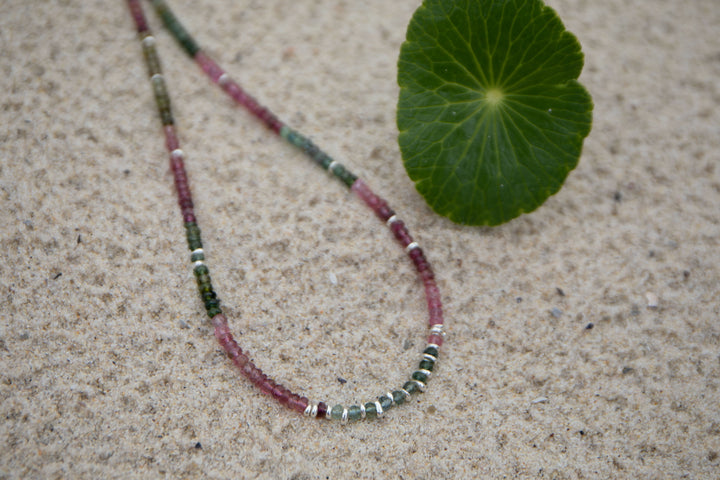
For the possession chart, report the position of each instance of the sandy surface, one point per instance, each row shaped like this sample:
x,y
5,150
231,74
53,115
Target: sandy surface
x,y
110,369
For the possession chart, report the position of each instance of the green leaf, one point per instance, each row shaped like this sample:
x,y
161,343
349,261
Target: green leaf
x,y
491,116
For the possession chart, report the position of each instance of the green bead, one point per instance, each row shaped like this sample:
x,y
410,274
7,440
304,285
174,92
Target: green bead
x,y
370,410
323,159
427,365
411,387
398,397
354,413
192,233
385,402
431,351
197,256
151,58
209,295
420,376
201,270
336,412
213,312
176,28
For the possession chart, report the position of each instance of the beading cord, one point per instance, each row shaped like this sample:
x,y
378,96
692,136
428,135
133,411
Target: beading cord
x,y
300,404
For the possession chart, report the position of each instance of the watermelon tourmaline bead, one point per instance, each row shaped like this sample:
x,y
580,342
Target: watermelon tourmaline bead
x,y
337,412
411,387
432,351
354,413
427,364
422,376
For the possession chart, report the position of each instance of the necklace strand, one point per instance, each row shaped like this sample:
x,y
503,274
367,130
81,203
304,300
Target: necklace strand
x,y
300,404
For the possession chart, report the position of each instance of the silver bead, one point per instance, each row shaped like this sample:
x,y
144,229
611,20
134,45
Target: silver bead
x,y
332,165
433,345
308,410
437,329
421,385
313,412
362,410
223,79
411,246
344,418
156,76
390,396
427,356
327,414
178,154
427,373
407,394
379,409
198,263
392,220
148,41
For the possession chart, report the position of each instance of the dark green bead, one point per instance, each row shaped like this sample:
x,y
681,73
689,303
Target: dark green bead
x,y
344,175
431,351
420,376
201,270
176,28
411,387
323,159
385,402
192,233
336,412
354,413
197,256
427,365
151,59
209,295
398,397
205,287
213,311
370,410
212,304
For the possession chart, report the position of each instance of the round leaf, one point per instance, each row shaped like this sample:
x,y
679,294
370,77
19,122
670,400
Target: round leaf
x,y
491,116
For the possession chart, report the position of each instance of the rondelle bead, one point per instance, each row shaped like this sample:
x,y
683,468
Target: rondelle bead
x,y
354,413
410,387
398,397
431,351
337,412
370,410
385,402
427,365
420,376
322,409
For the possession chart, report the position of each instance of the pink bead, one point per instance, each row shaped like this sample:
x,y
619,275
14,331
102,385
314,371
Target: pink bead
x,y
240,360
137,14
298,403
266,386
377,204
171,141
435,339
401,234
208,66
220,322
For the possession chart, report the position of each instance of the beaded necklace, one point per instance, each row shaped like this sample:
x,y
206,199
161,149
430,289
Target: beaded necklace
x,y
300,404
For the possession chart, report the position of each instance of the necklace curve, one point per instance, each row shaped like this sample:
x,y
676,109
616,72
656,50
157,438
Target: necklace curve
x,y
316,409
